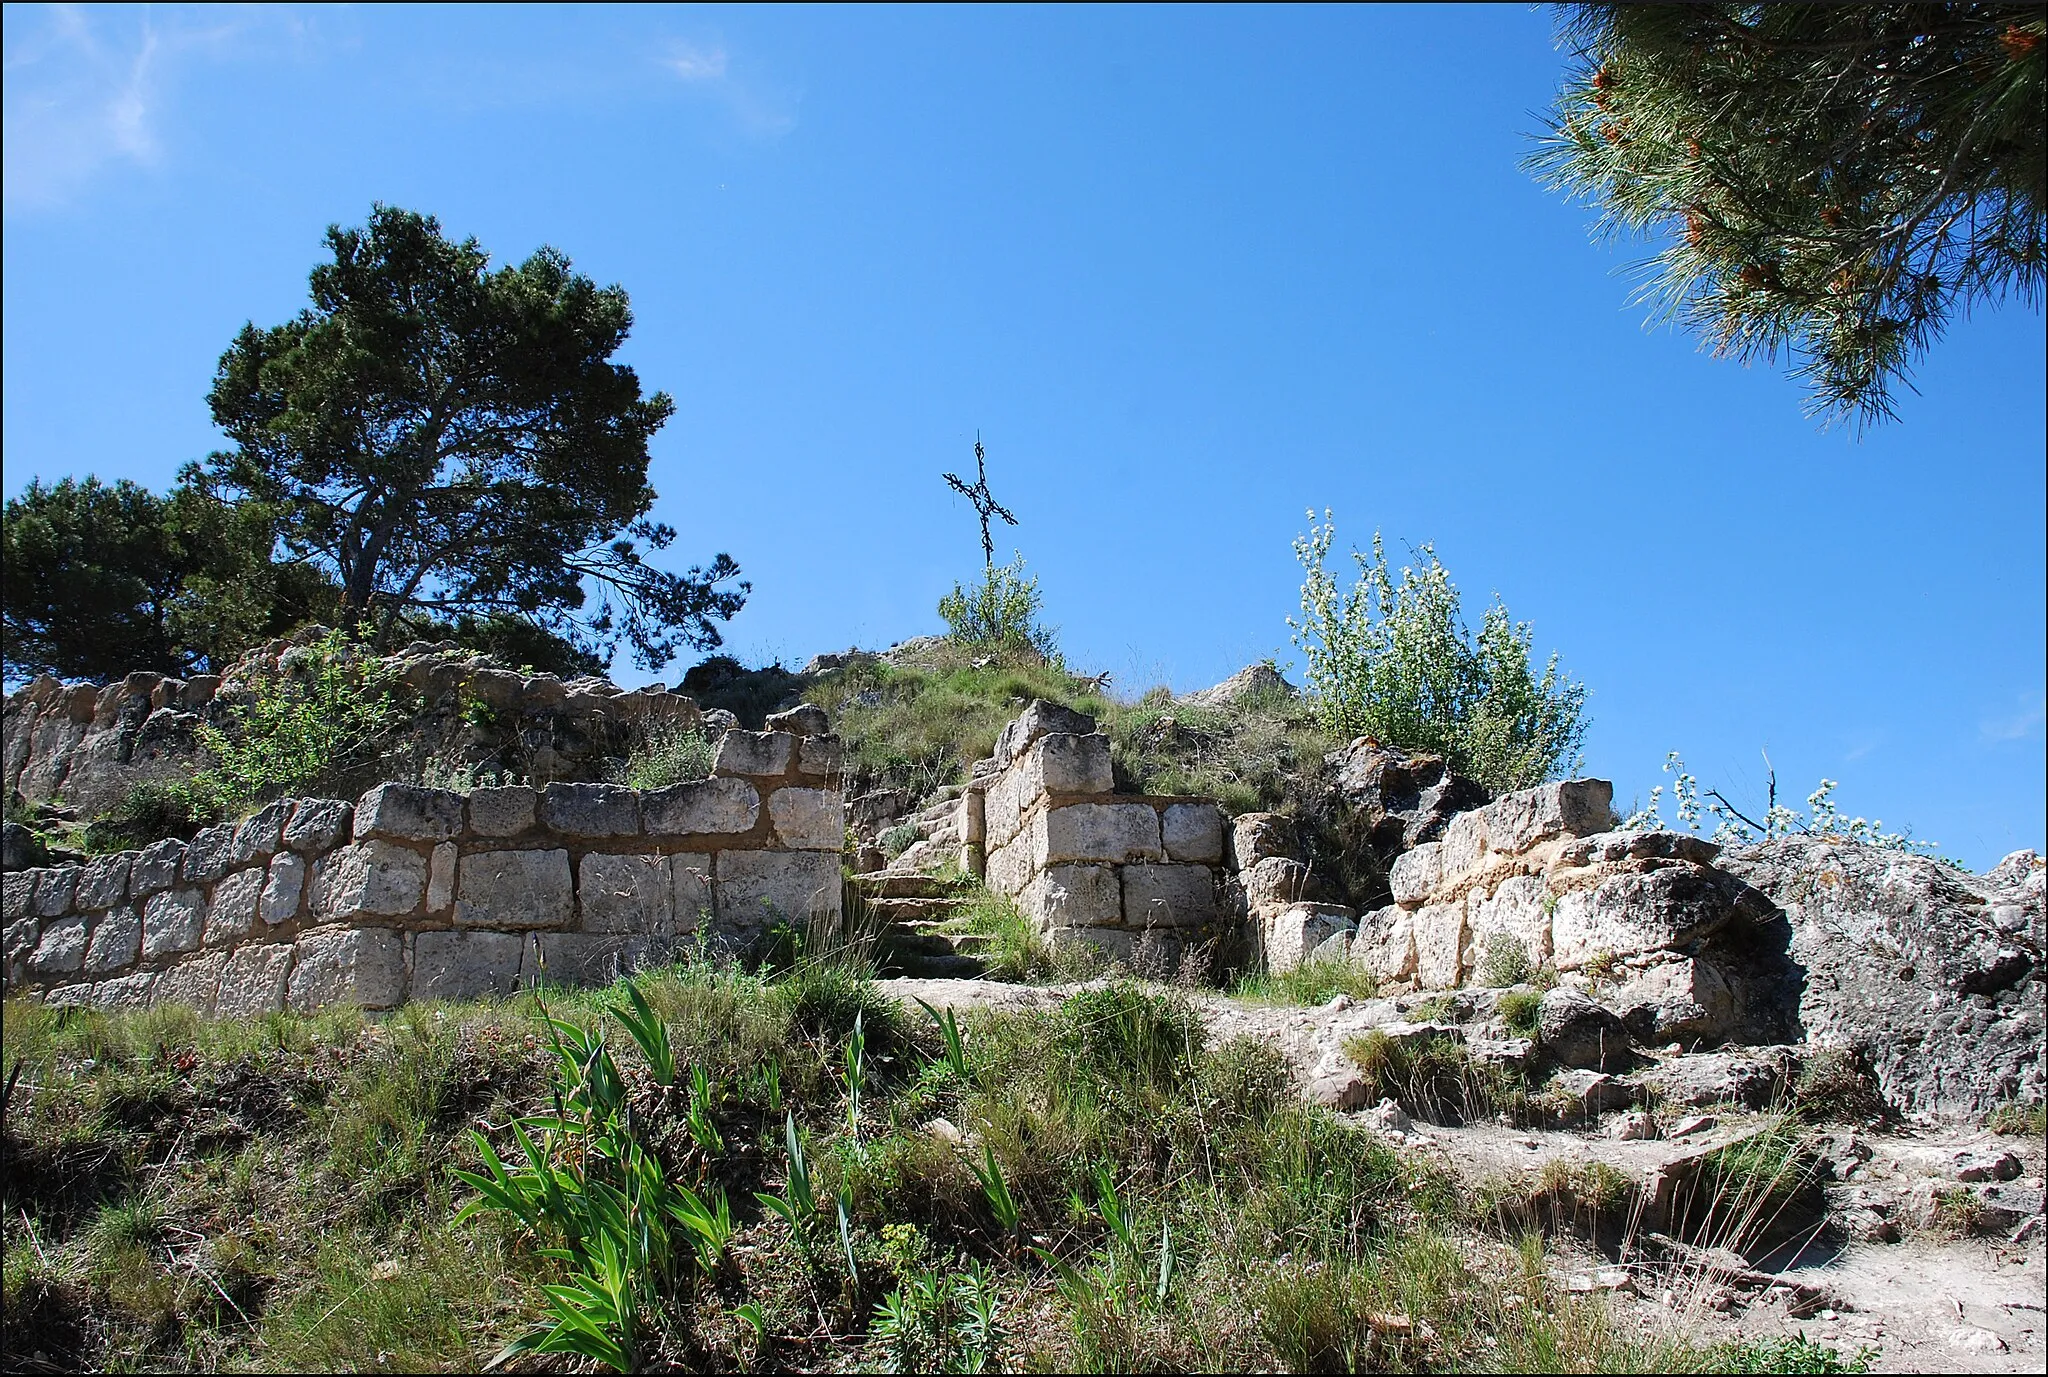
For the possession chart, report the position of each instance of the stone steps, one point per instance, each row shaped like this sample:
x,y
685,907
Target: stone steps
x,y
914,909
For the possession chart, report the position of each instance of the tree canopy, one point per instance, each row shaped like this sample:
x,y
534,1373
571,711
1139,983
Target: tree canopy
x,y
451,441
1831,183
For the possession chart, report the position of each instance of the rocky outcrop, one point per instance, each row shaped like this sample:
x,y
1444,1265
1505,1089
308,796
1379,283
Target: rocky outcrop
x,y
1252,682
1934,977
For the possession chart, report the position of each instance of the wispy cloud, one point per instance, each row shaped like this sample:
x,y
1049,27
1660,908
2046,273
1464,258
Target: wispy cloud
x,y
759,107
2018,726
697,64
87,88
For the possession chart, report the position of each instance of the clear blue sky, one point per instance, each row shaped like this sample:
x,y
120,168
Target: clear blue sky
x,y
1189,272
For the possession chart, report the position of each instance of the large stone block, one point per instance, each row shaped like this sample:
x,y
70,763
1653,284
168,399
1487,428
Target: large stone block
x,y
819,755
155,868
1192,832
1037,720
362,966
1066,763
503,812
1464,844
591,810
1118,944
762,754
1255,836
1632,913
377,877
261,833
124,991
808,819
318,825
104,881
19,890
441,877
1573,807
116,942
1416,872
209,854
194,983
1169,896
1003,808
1677,999
62,949
282,888
514,889
625,894
703,807
1385,943
56,889
1518,909
1299,929
1574,1031
584,958
407,812
695,902
231,914
755,888
254,980
805,719
1276,882
1440,945
172,921
466,965
1075,896
1008,868
1097,832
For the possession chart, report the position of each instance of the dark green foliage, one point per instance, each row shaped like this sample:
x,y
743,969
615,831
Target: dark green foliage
x,y
1519,1010
748,694
451,440
1830,182
1796,1353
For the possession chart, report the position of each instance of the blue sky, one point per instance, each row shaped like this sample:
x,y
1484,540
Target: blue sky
x,y
1189,273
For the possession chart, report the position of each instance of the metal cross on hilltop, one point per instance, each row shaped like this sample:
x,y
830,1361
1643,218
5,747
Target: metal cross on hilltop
x,y
984,503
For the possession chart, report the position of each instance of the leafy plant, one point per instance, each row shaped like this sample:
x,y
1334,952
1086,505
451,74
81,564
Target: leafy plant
x,y
949,1029
1506,961
1393,659
996,1190
999,615
1733,827
666,753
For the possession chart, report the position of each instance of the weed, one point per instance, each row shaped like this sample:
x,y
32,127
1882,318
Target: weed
x,y
1311,982
2026,1120
1833,1087
1794,1354
1519,1009
666,753
1506,962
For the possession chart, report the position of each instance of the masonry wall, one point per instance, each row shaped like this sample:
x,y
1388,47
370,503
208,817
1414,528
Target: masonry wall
x,y
413,893
1044,825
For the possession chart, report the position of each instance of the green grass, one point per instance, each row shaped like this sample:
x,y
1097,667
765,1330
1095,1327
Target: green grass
x,y
1310,983
1015,949
275,1194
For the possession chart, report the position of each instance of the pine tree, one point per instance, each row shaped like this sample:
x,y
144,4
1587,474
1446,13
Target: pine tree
x,y
1832,184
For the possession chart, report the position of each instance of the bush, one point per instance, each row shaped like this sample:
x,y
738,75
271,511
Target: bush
x,y
1506,962
1000,614
667,753
1311,982
1395,661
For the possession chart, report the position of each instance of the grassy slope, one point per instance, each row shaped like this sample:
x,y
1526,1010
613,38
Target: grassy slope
x,y
273,1194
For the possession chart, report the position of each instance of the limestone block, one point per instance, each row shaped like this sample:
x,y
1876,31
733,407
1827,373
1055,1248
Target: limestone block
x,y
1116,943
625,894
209,854
1677,999
1255,836
502,812
755,753
1636,912
805,719
155,868
466,965
714,807
441,877
1276,882
819,755
583,958
1097,832
591,810
104,881
1192,832
514,889
1440,945
56,888
125,991
116,942
172,921
407,812
1066,763
369,877
318,825
755,888
1416,872
62,950
1515,909
1299,929
1169,896
1008,868
284,883
808,819
1573,807
194,983
361,966
232,912
254,980
261,834
1002,808
17,892
693,903
1035,721
1463,846
974,817
1075,896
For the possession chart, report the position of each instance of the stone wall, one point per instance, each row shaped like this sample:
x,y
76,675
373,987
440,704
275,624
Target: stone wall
x,y
1041,822
415,893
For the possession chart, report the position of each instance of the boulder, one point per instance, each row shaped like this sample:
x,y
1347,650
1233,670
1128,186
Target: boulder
x,y
1253,681
1396,798
1574,1031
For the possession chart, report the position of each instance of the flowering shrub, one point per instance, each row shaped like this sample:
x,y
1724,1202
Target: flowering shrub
x,y
1823,818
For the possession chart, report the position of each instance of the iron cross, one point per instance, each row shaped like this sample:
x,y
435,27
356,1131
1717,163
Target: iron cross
x,y
984,503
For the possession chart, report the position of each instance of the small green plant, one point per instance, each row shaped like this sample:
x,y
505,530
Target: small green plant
x,y
996,1191
1433,1078
148,812
1793,1354
1311,982
899,839
666,753
937,1321
1834,1088
999,615
955,1059
2019,1120
1519,1010
1506,961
